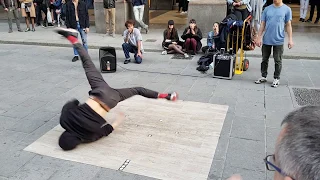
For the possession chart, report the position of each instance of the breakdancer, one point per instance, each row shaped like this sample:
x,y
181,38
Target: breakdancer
x,y
85,123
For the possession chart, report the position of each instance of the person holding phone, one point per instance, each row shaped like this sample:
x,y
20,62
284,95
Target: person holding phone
x,y
171,41
192,36
77,18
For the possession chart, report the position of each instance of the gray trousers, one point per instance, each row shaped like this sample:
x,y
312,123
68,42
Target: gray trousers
x,y
277,56
13,13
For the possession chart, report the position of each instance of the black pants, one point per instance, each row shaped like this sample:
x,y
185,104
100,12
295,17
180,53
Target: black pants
x,y
185,5
277,56
312,11
100,89
241,14
40,8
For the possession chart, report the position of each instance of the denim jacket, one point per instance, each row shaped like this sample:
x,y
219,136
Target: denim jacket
x,y
210,39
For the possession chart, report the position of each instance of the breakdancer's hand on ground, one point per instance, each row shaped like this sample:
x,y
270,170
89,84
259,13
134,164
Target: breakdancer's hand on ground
x,y
119,119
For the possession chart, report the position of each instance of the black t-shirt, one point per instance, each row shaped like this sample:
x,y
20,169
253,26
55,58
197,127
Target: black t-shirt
x,y
84,122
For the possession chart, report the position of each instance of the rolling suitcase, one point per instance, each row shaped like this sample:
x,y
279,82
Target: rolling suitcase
x,y
107,59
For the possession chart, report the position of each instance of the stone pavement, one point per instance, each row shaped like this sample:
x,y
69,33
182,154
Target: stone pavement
x,y
306,39
36,81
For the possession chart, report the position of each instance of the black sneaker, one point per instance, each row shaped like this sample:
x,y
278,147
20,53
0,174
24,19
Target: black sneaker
x,y
66,32
300,19
75,58
127,61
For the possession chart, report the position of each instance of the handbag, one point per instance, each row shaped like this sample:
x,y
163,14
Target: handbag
x,y
49,18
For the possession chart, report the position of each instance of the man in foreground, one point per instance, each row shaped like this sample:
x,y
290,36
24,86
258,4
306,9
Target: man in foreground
x,y
84,123
297,155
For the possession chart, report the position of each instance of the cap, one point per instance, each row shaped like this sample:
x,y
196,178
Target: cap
x,y
170,22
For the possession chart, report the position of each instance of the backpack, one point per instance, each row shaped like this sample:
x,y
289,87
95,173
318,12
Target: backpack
x,y
205,61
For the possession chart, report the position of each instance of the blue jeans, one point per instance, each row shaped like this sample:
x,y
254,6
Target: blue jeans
x,y
127,49
83,35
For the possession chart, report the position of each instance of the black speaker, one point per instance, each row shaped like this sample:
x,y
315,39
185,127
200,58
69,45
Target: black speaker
x,y
224,66
108,59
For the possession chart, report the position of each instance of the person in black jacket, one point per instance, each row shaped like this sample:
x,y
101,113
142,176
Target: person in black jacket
x,y
110,13
192,36
171,40
313,4
77,18
84,123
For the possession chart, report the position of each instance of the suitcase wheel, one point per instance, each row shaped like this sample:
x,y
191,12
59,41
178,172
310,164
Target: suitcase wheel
x,y
245,64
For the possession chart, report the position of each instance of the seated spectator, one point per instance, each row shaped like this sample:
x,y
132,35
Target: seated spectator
x,y
132,43
212,35
192,36
171,41
241,8
297,155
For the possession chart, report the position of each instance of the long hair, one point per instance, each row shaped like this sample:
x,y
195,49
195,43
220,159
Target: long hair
x,y
195,27
174,31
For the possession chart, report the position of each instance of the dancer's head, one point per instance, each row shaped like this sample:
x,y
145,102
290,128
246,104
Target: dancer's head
x,y
130,25
68,141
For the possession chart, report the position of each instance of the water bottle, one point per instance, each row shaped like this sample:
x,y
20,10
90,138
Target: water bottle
x,y
211,66
108,65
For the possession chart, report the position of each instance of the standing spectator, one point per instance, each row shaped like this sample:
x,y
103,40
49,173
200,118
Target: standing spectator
x,y
275,19
185,6
313,4
241,8
171,40
77,18
58,5
257,7
110,14
28,12
181,2
132,43
192,36
12,7
304,4
138,11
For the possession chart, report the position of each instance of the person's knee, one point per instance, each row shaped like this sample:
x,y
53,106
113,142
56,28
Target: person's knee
x,y
68,141
125,46
188,40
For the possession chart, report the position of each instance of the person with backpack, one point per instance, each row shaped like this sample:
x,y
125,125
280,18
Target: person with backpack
x,y
171,41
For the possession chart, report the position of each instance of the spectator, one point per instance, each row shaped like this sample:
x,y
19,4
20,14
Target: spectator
x,y
110,14
275,19
171,40
192,36
132,43
185,6
28,12
212,36
241,8
57,6
297,155
304,4
313,4
138,11
78,19
12,7
257,7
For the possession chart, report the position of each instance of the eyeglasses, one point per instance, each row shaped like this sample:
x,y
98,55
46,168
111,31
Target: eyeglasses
x,y
269,160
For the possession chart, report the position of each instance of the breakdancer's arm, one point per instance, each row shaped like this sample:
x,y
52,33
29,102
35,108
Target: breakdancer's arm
x,y
107,128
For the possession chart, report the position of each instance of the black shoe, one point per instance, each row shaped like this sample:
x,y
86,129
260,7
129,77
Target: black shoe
x,y
76,58
193,53
300,19
303,20
66,32
126,61
172,96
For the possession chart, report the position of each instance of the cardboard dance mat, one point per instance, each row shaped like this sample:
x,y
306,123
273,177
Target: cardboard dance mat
x,y
158,138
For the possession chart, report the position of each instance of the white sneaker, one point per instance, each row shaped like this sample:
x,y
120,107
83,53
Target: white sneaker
x,y
275,83
261,80
186,55
164,52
